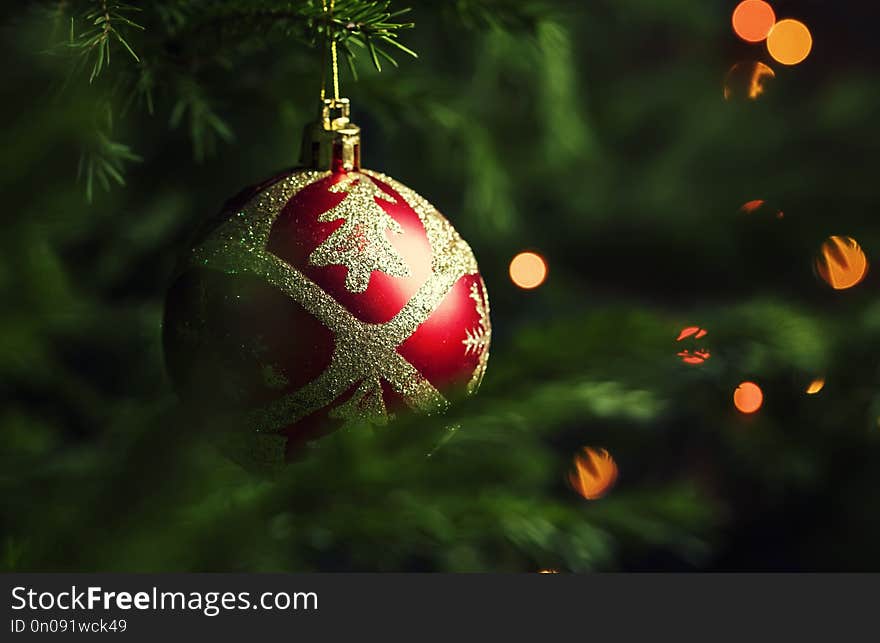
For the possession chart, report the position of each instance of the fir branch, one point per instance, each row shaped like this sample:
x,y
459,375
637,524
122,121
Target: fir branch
x,y
205,126
506,15
182,37
108,23
368,24
104,163
374,27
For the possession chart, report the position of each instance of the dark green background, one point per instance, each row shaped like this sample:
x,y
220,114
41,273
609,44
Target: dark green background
x,y
594,132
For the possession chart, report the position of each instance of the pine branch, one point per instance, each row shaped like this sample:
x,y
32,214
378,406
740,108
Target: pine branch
x,y
206,127
373,28
183,36
508,15
104,163
367,24
108,23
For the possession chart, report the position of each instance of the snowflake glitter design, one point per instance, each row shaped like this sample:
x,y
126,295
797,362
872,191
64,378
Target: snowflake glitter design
x,y
476,341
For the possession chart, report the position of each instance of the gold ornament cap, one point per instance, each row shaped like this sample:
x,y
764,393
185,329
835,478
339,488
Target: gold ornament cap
x,y
333,142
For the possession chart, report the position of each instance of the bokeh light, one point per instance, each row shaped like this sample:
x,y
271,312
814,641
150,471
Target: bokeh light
x,y
747,80
752,20
748,397
841,263
594,473
548,571
696,354
760,207
692,331
789,42
528,270
750,207
694,357
816,385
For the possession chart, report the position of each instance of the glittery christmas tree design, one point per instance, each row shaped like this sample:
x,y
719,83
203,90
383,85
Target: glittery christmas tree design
x,y
360,244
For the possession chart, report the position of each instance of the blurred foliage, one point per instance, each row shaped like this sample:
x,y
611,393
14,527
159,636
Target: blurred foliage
x,y
593,132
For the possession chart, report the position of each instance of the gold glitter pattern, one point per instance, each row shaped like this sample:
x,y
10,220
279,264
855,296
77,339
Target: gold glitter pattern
x,y
364,353
360,244
367,404
273,377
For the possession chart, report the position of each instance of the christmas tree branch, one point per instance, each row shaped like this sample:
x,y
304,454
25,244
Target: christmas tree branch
x,y
173,40
102,159
370,25
106,22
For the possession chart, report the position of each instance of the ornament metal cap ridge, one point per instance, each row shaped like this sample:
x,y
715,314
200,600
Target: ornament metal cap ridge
x,y
333,142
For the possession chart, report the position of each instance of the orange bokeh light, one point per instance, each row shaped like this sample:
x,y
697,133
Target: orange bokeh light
x,y
751,206
753,20
748,397
841,263
692,331
697,355
528,270
816,385
747,80
594,473
758,205
789,41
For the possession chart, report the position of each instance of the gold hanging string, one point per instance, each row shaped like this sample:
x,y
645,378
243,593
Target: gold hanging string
x,y
333,56
328,19
324,55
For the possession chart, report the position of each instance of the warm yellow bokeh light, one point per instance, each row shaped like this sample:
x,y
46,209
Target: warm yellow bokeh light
x,y
528,270
841,263
594,473
748,397
747,80
752,20
789,42
816,385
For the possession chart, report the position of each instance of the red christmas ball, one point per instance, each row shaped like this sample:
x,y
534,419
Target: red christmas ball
x,y
322,298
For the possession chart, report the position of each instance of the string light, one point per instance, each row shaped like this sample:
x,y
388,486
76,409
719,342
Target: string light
x,y
698,354
753,20
841,262
528,270
789,42
748,397
748,80
594,473
692,331
759,206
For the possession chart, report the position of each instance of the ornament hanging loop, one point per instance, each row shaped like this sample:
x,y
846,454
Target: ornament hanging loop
x,y
336,113
334,142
